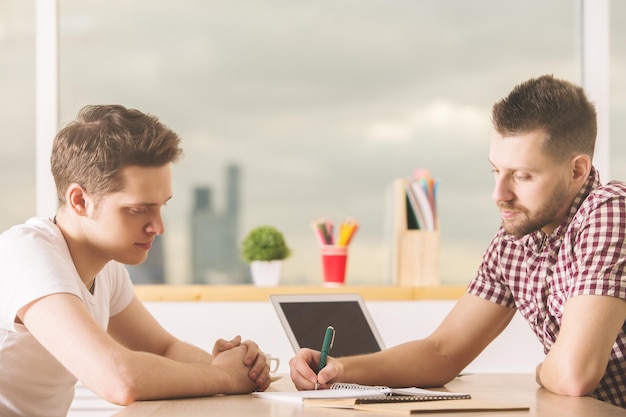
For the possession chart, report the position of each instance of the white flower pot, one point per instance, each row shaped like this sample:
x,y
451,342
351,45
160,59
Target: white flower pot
x,y
266,273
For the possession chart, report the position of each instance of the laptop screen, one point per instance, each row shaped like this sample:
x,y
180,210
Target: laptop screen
x,y
306,317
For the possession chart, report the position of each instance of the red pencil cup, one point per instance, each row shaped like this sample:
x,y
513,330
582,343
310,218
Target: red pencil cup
x,y
334,259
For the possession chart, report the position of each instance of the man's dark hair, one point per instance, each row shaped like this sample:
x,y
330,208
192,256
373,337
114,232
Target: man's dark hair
x,y
558,108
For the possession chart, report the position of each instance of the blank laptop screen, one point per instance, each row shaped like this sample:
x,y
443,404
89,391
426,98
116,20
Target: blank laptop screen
x,y
305,321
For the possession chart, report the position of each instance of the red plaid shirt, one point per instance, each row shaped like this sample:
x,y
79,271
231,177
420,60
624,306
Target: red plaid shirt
x,y
586,254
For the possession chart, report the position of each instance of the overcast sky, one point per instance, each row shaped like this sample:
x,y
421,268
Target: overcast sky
x,y
322,103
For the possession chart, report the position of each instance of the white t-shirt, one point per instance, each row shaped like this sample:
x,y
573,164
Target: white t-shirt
x,y
35,262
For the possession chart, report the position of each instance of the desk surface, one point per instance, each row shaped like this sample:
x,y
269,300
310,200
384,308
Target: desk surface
x,y
515,388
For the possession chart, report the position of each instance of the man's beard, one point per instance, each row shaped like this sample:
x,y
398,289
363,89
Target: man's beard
x,y
531,222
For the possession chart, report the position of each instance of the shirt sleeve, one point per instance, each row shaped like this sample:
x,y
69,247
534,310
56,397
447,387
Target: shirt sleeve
x,y
599,247
32,266
489,284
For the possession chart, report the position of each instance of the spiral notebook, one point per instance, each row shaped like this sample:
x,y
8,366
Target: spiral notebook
x,y
344,395
430,407
390,400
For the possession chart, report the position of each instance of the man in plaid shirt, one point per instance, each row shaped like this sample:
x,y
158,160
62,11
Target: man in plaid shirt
x,y
558,258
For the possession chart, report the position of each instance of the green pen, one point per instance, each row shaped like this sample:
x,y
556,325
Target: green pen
x,y
329,338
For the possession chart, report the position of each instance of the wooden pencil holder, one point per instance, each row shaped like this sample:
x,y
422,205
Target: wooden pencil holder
x,y
417,258
414,253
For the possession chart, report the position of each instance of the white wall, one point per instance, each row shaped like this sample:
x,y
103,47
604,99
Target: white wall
x,y
201,323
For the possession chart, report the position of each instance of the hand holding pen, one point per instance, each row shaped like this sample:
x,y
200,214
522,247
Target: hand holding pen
x,y
329,338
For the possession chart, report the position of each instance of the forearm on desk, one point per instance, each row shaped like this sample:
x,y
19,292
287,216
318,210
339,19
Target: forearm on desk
x,y
185,352
414,363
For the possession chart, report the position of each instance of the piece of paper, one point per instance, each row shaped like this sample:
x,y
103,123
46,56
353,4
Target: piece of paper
x,y
299,396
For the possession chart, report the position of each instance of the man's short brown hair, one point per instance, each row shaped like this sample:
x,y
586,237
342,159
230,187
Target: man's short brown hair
x,y
558,108
93,149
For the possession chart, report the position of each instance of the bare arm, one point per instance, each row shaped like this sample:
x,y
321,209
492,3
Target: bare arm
x,y
579,357
122,375
137,329
471,325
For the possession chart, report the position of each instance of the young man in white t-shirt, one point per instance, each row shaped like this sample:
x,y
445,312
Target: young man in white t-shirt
x,y
67,306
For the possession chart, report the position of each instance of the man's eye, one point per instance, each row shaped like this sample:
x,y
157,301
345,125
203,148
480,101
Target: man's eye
x,y
521,177
137,210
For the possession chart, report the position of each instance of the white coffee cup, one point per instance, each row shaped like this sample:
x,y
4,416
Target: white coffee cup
x,y
273,362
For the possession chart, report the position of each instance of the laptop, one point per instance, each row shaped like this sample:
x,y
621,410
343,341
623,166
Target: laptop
x,y
305,318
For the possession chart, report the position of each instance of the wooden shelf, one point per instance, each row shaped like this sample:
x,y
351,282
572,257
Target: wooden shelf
x,y
252,293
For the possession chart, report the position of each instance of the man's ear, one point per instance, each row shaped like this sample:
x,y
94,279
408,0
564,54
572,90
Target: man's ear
x,y
77,199
581,167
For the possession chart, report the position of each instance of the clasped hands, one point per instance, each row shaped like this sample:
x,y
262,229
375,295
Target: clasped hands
x,y
249,355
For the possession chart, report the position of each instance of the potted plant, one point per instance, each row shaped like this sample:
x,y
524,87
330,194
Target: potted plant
x,y
264,248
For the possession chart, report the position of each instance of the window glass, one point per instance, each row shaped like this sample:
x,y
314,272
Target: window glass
x,y
290,111
17,106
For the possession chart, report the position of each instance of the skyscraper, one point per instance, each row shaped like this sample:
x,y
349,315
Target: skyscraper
x,y
214,236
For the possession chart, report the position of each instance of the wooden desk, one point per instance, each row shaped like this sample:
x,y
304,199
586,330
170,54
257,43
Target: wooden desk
x,y
518,388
